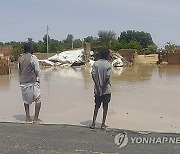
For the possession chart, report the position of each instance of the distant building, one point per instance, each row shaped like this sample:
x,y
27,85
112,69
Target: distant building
x,y
177,49
5,53
171,57
5,50
128,54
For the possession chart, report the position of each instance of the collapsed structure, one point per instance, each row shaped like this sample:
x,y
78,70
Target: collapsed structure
x,y
83,56
77,58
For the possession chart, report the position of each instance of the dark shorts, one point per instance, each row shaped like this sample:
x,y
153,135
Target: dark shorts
x,y
105,99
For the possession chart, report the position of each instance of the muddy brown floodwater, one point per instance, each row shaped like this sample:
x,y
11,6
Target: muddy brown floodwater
x,y
144,97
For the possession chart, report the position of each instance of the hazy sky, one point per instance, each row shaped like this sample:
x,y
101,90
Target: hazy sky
x,y
20,19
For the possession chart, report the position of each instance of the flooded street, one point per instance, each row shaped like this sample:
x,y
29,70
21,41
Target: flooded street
x,y
144,97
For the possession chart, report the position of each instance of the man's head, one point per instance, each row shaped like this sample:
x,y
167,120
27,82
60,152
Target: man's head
x,y
28,48
104,53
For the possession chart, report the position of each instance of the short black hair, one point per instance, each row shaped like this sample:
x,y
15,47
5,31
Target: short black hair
x,y
28,48
104,53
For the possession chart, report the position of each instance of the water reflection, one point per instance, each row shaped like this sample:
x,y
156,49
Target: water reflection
x,y
130,74
118,70
136,73
137,92
169,70
72,72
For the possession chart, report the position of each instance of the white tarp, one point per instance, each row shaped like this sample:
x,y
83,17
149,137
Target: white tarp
x,y
74,58
50,63
70,56
117,62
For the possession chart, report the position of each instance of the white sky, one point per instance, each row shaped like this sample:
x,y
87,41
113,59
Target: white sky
x,y
21,19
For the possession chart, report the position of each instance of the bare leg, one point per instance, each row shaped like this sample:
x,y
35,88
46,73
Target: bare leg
x,y
94,117
104,118
28,118
37,109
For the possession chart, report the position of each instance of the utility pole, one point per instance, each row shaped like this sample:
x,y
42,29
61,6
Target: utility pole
x,y
82,43
47,39
72,46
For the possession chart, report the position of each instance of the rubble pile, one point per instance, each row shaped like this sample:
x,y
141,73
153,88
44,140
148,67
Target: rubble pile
x,y
76,58
116,59
66,58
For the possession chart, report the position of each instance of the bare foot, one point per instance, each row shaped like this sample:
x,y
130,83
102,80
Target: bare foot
x,y
29,120
37,121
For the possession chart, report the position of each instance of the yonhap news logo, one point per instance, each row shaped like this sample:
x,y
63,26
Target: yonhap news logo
x,y
121,140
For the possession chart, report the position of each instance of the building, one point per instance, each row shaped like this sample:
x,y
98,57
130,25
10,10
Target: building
x,y
5,53
171,57
5,50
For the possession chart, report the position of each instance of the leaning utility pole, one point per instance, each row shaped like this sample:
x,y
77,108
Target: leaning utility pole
x,y
47,40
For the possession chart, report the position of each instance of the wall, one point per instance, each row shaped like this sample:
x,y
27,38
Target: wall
x,y
173,58
128,54
4,66
6,50
147,59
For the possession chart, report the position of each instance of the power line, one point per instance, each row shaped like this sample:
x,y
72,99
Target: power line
x,y
58,37
32,36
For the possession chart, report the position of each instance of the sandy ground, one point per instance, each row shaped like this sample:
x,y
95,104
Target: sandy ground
x,y
148,59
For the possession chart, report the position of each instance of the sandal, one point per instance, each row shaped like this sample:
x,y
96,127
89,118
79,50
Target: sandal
x,y
104,127
29,122
91,126
38,121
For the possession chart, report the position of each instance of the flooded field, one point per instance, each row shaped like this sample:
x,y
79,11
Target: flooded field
x,y
144,97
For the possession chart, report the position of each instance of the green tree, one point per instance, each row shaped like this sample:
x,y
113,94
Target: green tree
x,y
169,46
45,39
134,45
152,49
125,45
56,46
68,42
53,47
94,41
69,38
106,38
17,49
77,43
143,38
116,45
89,39
41,47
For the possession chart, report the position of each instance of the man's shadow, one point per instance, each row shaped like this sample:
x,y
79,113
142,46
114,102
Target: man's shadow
x,y
20,117
88,123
